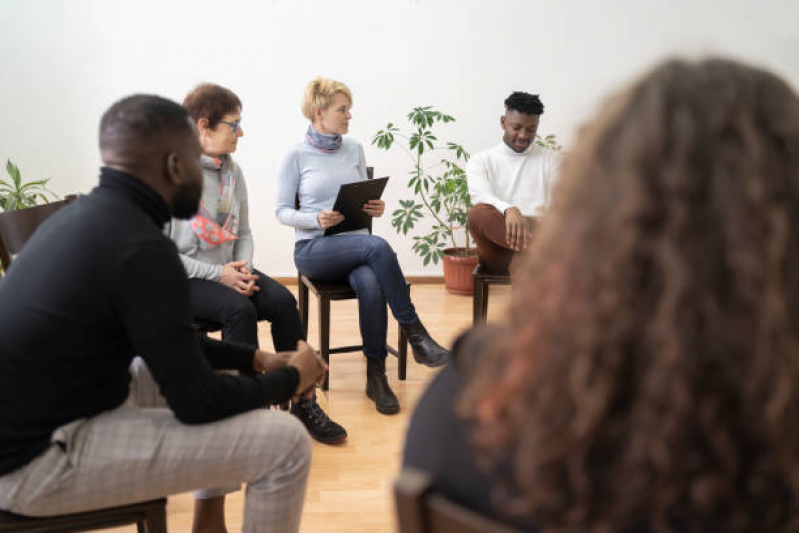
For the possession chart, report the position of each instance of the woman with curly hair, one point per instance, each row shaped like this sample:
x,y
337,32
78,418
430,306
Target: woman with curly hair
x,y
648,373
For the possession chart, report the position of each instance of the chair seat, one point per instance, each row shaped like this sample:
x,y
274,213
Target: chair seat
x,y
490,276
149,516
335,290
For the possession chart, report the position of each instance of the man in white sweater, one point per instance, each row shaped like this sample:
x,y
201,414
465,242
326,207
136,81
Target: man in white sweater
x,y
510,184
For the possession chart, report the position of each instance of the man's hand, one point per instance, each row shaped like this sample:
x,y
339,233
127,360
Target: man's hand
x,y
374,208
328,218
238,277
517,230
311,367
266,361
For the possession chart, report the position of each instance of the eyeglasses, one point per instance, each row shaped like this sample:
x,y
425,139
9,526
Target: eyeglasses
x,y
233,125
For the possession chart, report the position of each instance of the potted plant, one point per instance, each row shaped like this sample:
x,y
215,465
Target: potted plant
x,y
16,194
438,182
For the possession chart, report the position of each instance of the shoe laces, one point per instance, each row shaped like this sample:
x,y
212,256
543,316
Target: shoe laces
x,y
315,413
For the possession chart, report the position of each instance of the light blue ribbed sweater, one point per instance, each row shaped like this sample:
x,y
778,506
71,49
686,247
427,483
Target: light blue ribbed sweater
x,y
315,177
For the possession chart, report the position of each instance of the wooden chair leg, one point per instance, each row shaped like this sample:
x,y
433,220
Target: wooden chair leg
x,y
477,301
324,336
302,304
155,519
402,358
484,299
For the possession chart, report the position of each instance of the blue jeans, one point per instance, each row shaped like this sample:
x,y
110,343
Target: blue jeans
x,y
370,265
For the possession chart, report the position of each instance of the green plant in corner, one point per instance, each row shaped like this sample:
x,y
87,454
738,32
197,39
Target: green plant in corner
x,y
16,194
438,184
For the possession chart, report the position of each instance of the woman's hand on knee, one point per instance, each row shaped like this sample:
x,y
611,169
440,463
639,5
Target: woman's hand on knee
x,y
238,277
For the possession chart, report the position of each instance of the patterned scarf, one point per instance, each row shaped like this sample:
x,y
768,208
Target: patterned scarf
x,y
212,233
325,143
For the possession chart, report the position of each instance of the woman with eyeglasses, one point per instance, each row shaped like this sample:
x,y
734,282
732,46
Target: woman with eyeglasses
x,y
311,173
216,248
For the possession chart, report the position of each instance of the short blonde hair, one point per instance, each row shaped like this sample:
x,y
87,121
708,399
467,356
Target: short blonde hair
x,y
319,93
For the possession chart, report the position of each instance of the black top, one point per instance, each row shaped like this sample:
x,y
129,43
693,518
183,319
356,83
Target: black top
x,y
97,284
438,441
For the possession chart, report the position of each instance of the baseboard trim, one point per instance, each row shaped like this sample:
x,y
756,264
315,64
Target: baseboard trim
x,y
415,280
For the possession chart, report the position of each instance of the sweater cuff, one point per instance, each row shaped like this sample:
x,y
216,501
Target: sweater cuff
x,y
502,206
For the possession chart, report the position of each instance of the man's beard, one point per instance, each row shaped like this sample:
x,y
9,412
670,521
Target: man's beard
x,y
186,201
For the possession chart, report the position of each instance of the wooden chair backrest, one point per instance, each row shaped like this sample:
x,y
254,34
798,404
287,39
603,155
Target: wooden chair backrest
x,y
16,227
421,510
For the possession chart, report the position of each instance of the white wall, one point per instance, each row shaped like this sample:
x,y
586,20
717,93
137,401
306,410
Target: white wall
x,y
62,63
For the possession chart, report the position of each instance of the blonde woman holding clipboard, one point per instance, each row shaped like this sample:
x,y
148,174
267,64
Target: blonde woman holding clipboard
x,y
313,171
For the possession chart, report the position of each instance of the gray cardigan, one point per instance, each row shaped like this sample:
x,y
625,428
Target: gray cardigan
x,y
208,263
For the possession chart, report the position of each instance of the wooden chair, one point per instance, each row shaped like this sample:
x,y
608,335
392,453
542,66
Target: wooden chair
x,y
327,292
483,279
16,227
421,510
149,517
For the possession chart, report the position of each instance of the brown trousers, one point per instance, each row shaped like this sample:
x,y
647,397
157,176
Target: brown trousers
x,y
487,226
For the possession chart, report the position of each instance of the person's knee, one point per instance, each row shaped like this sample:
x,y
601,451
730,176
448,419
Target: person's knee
x,y
240,311
481,214
288,436
365,284
285,301
379,246
473,217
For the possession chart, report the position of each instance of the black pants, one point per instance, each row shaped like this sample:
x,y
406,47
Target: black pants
x,y
239,315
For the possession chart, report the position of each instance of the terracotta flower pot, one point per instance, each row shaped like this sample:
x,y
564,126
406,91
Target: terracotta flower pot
x,y
459,264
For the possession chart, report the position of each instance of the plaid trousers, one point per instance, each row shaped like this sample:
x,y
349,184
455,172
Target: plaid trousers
x,y
136,453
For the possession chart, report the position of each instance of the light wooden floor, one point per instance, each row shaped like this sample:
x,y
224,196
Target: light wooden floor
x,y
349,489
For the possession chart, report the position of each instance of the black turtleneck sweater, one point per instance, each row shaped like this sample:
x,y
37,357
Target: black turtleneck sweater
x,y
97,284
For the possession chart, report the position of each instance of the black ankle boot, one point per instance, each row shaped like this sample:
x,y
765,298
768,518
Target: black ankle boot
x,y
425,350
318,424
377,388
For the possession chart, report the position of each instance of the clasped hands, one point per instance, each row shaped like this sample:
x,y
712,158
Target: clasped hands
x,y
329,218
238,277
310,366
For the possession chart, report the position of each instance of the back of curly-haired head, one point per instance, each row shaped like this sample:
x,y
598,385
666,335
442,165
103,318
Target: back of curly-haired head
x,y
650,372
525,103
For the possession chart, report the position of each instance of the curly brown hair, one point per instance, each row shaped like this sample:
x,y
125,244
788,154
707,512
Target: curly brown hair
x,y
649,374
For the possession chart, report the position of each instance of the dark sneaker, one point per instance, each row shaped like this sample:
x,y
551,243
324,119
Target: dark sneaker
x,y
317,422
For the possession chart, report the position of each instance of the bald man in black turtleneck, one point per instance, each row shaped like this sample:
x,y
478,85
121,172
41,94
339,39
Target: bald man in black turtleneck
x,y
98,284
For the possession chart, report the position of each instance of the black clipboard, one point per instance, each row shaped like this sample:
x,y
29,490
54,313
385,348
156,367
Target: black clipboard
x,y
350,201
